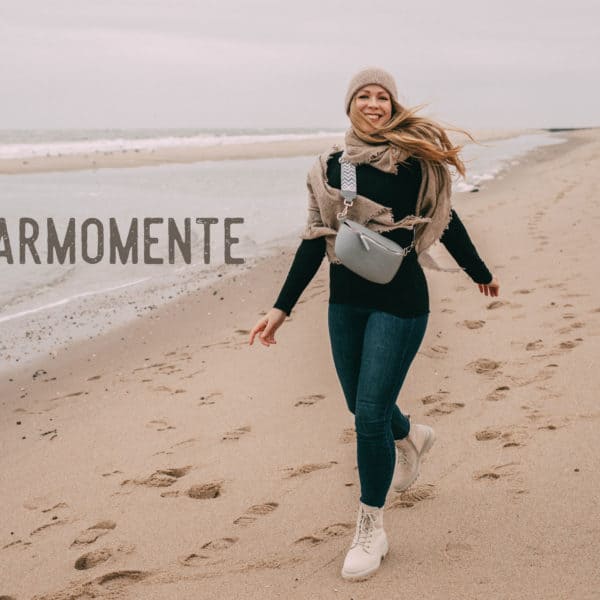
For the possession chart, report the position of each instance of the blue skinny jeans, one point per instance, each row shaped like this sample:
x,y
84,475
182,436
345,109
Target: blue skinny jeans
x,y
372,352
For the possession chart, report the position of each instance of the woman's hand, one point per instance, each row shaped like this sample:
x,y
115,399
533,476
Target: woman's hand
x,y
268,325
490,289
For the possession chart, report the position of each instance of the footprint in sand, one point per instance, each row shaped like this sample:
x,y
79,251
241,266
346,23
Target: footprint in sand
x,y
193,374
437,351
308,468
495,472
159,425
410,497
207,551
471,324
194,559
433,398
96,557
535,345
161,477
309,400
170,370
111,473
553,286
210,398
497,304
47,525
498,394
512,437
515,436
325,534
71,395
155,365
117,580
114,583
55,507
205,491
235,434
523,291
546,373
164,388
569,344
534,414
484,366
551,426
487,434
444,408
348,436
220,544
91,534
569,328
254,512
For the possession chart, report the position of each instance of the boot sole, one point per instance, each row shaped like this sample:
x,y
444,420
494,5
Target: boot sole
x,y
365,574
426,447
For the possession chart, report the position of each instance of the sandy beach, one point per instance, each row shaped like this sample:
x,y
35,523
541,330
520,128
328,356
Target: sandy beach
x,y
169,459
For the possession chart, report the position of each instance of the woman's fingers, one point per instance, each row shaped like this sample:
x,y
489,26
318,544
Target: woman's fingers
x,y
258,327
267,326
489,289
267,336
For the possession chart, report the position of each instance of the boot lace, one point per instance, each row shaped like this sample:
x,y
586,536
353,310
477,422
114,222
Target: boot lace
x,y
402,456
364,533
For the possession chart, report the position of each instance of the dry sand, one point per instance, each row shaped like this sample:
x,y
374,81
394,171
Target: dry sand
x,y
169,459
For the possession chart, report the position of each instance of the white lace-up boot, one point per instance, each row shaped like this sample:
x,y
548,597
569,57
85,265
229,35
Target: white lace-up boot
x,y
409,452
369,545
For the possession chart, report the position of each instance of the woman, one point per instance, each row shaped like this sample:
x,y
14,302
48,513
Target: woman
x,y
375,330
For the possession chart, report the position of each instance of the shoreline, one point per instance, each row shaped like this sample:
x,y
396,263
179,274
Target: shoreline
x,y
191,154
169,459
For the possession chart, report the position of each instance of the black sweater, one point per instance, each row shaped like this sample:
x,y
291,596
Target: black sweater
x,y
406,295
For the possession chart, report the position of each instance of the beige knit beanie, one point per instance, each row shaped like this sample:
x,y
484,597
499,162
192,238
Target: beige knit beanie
x,y
368,76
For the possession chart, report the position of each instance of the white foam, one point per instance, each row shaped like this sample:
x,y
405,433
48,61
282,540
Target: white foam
x,y
53,149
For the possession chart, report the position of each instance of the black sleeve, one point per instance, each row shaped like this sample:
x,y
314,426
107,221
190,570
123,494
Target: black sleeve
x,y
306,263
459,244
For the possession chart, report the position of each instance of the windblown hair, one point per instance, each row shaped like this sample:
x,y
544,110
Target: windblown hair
x,y
419,136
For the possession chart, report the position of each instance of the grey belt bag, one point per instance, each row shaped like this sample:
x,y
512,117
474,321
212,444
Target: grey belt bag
x,y
365,252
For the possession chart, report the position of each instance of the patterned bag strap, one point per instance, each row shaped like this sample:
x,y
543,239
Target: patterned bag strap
x,y
348,179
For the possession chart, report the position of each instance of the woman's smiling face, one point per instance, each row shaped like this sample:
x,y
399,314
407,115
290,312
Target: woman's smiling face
x,y
374,102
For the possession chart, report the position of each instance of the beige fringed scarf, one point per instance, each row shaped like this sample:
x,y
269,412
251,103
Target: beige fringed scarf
x,y
433,202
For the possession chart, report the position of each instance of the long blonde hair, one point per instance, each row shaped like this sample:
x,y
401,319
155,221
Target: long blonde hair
x,y
419,136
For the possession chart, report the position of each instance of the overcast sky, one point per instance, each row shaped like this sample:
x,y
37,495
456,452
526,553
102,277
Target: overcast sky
x,y
268,63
